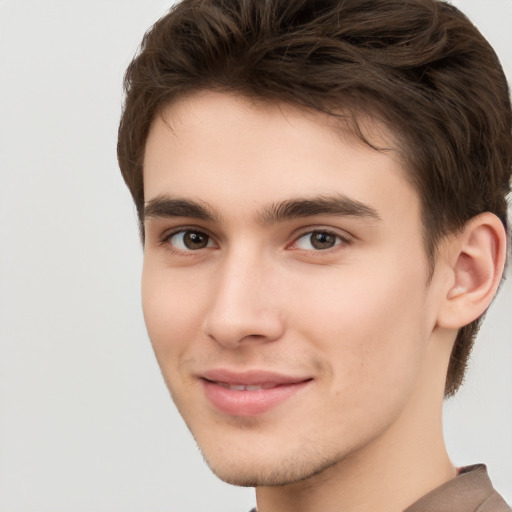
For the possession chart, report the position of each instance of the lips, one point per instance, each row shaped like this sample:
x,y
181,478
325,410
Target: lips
x,y
249,393
245,387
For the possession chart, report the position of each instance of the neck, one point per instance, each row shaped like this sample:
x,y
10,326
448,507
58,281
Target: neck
x,y
388,474
387,480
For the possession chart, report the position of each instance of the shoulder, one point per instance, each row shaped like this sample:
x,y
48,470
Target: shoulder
x,y
470,491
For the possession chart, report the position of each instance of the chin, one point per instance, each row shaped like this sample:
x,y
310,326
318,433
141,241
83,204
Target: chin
x,y
250,471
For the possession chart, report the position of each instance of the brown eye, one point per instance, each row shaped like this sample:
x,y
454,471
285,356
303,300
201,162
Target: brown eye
x,y
321,240
190,240
317,240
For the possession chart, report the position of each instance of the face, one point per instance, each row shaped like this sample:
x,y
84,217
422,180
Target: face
x,y
284,285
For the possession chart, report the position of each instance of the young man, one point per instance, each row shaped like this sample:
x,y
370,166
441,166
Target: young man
x,y
321,187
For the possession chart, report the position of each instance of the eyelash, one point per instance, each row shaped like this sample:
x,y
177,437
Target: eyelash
x,y
167,237
339,240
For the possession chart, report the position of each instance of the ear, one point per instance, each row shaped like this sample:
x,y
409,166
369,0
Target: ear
x,y
476,258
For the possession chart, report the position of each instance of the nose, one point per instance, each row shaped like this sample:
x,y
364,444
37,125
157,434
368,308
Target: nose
x,y
244,308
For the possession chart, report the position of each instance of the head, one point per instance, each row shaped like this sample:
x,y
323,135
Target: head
x,y
420,67
411,78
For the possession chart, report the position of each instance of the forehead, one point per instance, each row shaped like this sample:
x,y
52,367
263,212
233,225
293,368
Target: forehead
x,y
206,110
230,150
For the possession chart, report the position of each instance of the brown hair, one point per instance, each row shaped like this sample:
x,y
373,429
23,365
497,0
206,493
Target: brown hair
x,y
419,65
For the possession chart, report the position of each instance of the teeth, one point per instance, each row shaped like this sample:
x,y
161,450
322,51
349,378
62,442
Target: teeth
x,y
237,387
240,387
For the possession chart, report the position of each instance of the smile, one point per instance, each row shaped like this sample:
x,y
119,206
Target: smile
x,y
245,387
249,393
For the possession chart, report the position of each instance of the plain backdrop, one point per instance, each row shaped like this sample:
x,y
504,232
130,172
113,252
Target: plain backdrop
x,y
86,424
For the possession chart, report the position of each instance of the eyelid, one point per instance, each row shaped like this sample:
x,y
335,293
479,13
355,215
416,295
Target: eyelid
x,y
344,238
171,231
165,237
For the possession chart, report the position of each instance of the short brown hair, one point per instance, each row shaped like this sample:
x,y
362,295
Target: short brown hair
x,y
419,65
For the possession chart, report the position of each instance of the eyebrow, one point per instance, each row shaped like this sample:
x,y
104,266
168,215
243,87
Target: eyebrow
x,y
163,206
338,205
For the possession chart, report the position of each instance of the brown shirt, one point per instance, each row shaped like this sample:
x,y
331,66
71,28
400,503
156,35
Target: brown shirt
x,y
470,491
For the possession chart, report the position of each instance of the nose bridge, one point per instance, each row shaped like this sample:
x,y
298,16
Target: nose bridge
x,y
242,307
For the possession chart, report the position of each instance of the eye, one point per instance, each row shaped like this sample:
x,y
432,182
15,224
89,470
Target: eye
x,y
190,240
318,241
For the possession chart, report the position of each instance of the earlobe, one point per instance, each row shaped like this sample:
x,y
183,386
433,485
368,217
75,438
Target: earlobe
x,y
477,257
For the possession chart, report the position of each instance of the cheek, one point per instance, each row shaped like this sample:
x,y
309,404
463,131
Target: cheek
x,y
171,312
370,325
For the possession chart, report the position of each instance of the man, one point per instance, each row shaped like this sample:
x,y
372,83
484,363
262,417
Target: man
x,y
321,187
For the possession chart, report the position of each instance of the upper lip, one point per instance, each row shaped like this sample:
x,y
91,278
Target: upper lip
x,y
250,377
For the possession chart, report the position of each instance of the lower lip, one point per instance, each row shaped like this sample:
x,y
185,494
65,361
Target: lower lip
x,y
249,403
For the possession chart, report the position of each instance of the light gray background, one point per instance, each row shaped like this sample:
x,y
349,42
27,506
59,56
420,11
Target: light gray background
x,y
85,421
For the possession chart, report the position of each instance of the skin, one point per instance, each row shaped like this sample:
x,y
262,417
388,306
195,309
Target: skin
x,y
359,319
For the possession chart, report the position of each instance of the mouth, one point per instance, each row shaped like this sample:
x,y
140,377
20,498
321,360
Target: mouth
x,y
249,393
244,387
